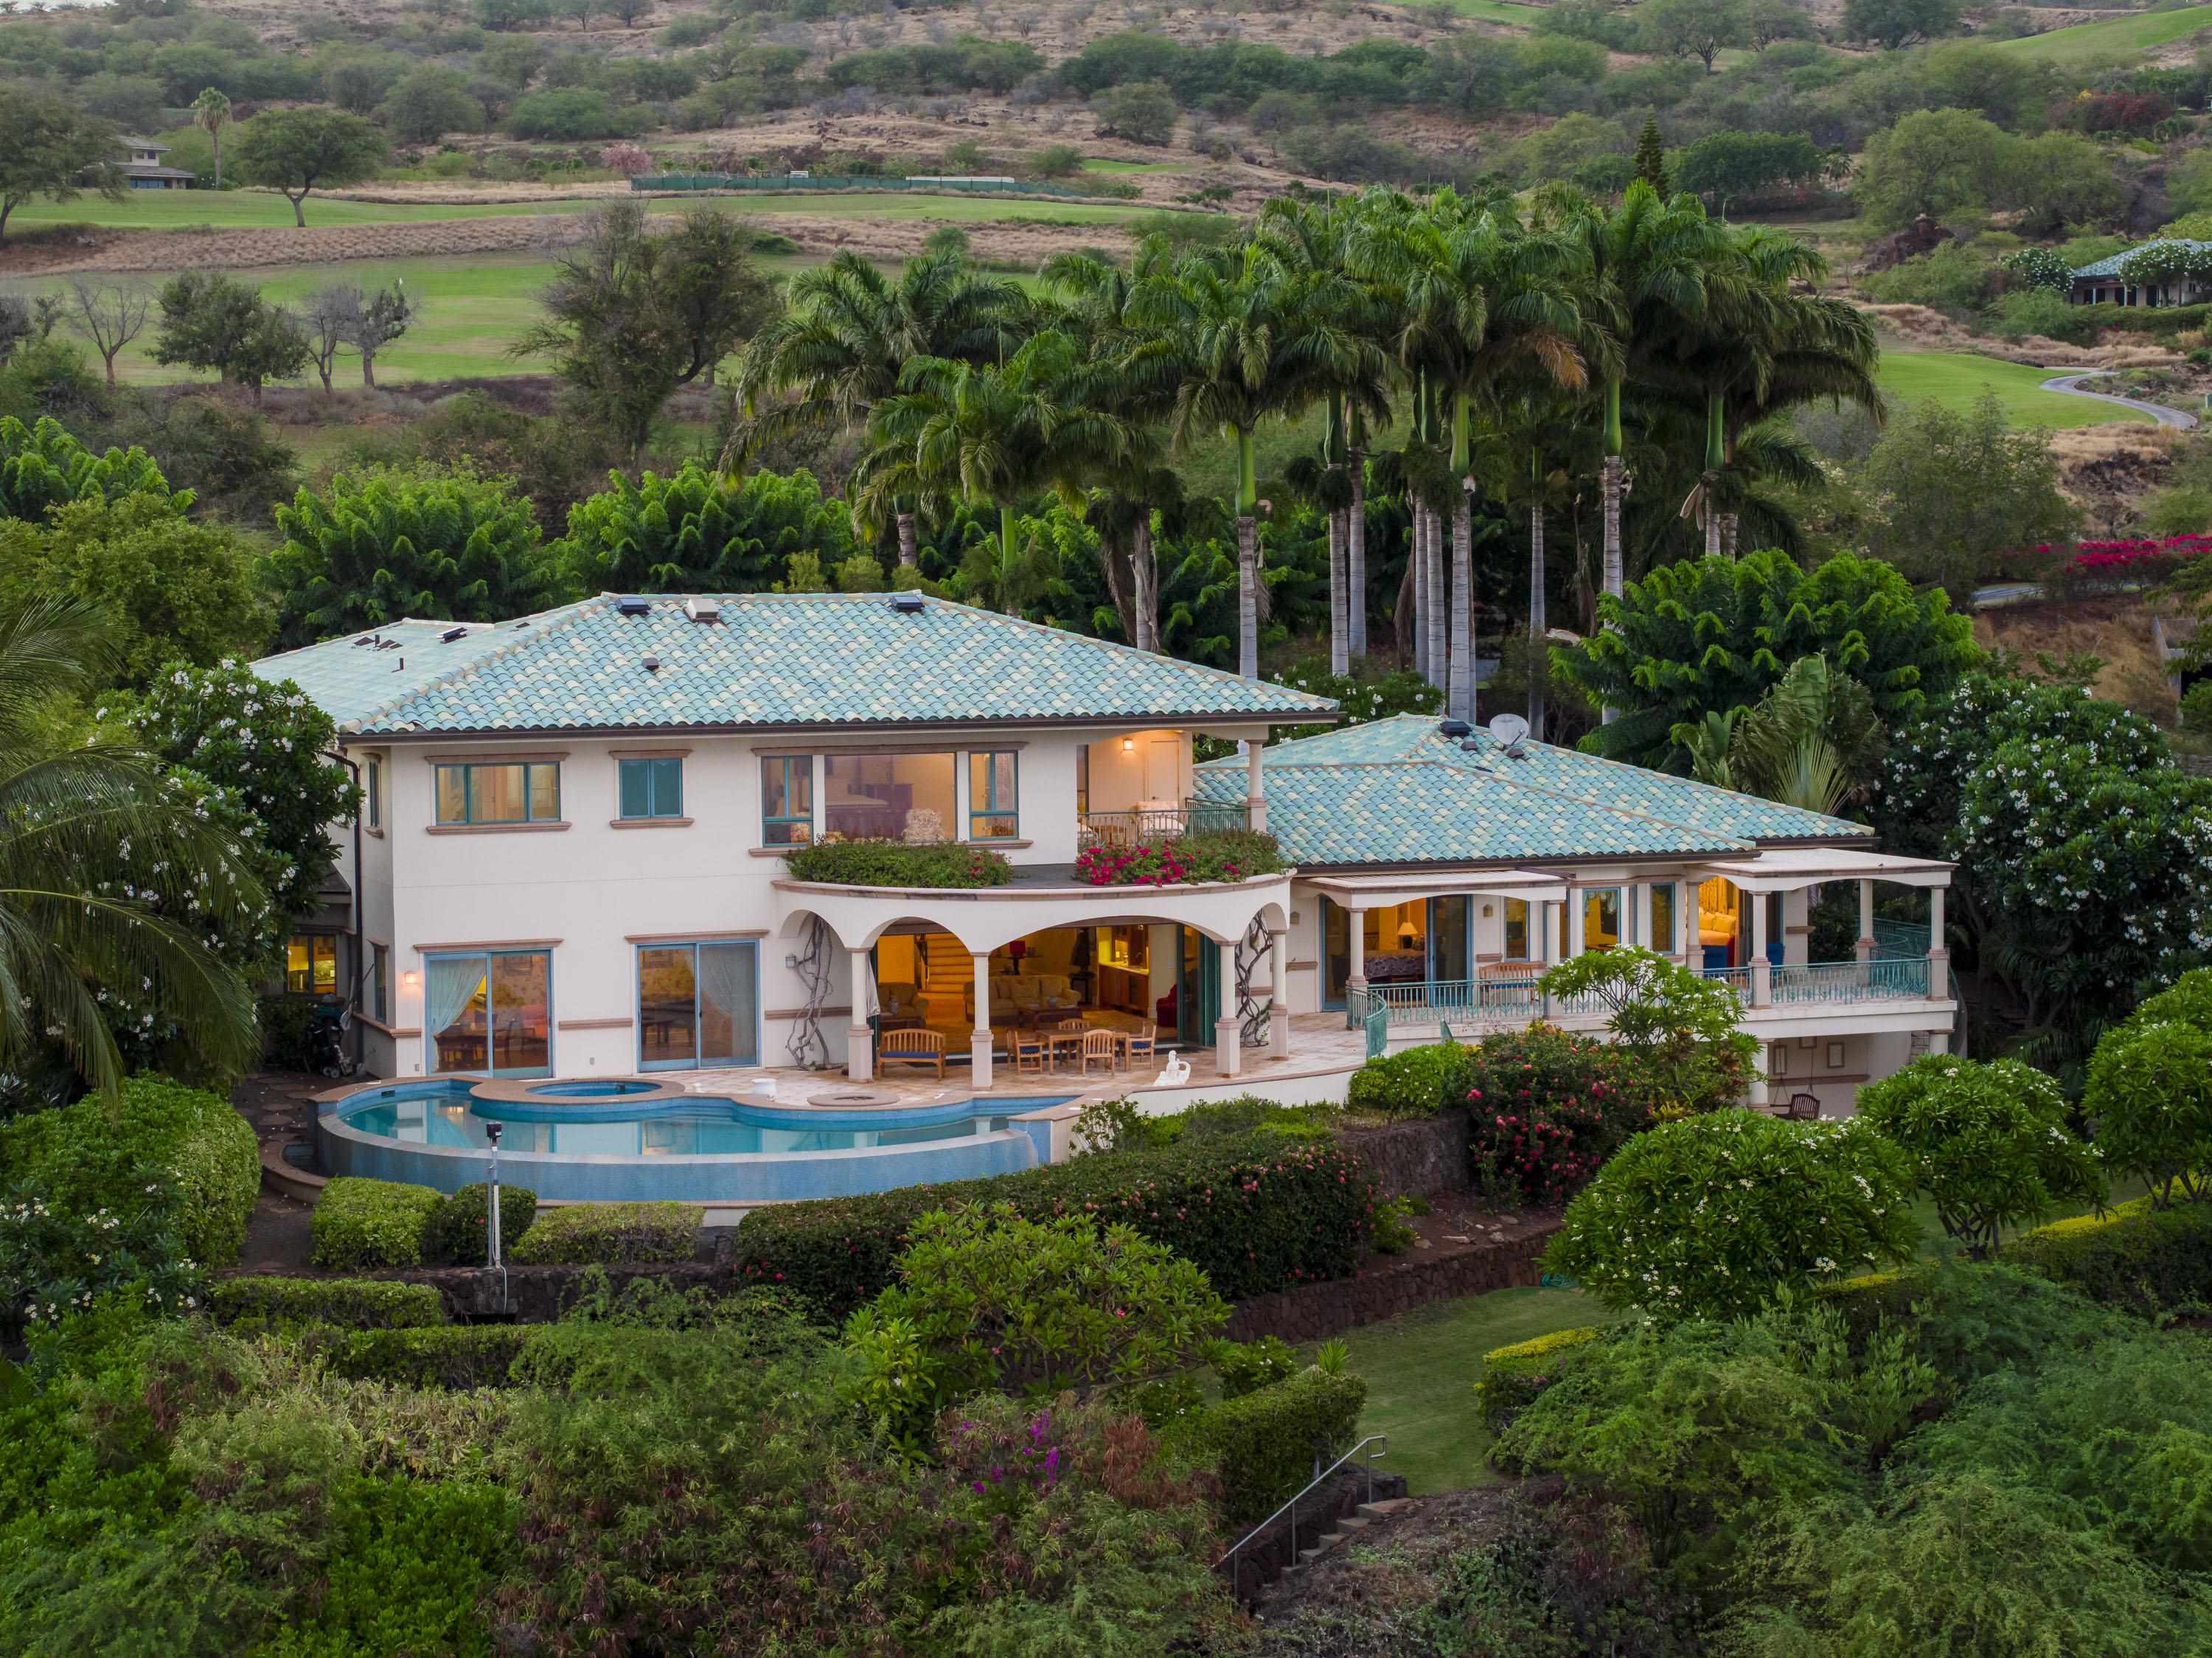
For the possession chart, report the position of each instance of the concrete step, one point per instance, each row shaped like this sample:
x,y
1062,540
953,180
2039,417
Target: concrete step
x,y
1385,1509
1352,1523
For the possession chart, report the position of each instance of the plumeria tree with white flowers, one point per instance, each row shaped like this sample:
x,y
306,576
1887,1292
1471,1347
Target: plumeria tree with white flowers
x,y
1709,1217
1989,1143
107,865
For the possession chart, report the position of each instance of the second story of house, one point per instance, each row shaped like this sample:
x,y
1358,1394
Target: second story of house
x,y
709,736
142,168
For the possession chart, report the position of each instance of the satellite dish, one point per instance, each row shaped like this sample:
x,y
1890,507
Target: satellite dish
x,y
1508,728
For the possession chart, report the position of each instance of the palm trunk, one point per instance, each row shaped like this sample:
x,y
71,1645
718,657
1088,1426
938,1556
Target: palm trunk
x,y
906,557
1417,579
1006,557
1536,595
1145,576
1616,581
215,139
1248,560
1355,553
1405,626
1715,458
1340,614
1461,701
1439,613
1727,535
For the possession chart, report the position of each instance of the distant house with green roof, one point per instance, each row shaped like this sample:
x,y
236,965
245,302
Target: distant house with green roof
x,y
2172,270
576,855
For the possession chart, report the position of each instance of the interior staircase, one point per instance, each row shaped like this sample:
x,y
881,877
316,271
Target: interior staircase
x,y
947,976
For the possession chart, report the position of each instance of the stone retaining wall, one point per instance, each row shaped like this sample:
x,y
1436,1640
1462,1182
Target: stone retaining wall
x,y
1427,1156
1314,1312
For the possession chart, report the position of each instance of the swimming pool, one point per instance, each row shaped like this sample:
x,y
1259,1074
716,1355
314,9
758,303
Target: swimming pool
x,y
593,1140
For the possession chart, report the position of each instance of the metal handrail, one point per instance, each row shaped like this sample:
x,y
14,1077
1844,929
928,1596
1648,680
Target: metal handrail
x,y
1139,827
1236,1566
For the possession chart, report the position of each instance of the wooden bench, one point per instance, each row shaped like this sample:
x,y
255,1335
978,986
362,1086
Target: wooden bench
x,y
913,1047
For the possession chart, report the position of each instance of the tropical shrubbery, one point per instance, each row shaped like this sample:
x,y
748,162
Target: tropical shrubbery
x,y
602,1233
1709,1217
1263,1443
2147,1260
458,1233
898,864
360,1223
1255,1213
1414,1082
249,1304
155,1184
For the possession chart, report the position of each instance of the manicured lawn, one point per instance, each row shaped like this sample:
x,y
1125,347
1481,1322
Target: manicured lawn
x,y
1497,11
473,307
1956,380
1095,165
1420,1371
180,209
2110,37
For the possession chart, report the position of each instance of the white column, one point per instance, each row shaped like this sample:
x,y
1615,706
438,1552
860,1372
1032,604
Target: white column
x,y
1550,951
1256,789
1866,921
1939,1041
1689,950
1636,915
1355,934
1762,980
860,1050
1279,988
1798,926
1939,954
1228,1046
979,1039
1759,1093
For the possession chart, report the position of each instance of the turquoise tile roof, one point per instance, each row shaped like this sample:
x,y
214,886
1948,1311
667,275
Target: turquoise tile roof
x,y
773,660
1398,791
2110,265
352,677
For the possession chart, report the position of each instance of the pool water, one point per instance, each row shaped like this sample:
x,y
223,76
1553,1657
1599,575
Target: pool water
x,y
601,1123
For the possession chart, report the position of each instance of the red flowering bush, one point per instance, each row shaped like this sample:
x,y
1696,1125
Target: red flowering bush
x,y
1229,855
1546,1109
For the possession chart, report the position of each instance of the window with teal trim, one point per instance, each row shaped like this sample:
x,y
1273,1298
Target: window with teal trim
x,y
994,811
652,789
516,793
787,799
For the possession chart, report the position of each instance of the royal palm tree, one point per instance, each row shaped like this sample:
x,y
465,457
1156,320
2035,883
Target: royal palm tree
x,y
211,114
1476,293
1762,347
103,874
985,433
1653,263
846,334
1246,339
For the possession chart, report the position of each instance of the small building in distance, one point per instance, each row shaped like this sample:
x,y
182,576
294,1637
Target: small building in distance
x,y
145,169
2172,270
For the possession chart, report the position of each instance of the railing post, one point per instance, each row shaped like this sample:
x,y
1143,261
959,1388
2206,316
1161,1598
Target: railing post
x,y
1939,955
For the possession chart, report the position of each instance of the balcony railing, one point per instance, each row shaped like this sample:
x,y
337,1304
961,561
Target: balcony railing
x,y
1847,982
1153,823
1505,1002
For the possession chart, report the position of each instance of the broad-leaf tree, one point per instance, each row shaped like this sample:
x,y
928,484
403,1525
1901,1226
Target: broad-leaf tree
x,y
374,547
49,147
298,151
43,467
1714,634
701,530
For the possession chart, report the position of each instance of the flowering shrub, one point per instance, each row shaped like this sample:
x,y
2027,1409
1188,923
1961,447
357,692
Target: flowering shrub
x,y
1988,1142
155,1185
1708,1217
1547,1108
1255,1213
2149,1103
2041,267
895,864
1228,855
1679,1028
1414,1082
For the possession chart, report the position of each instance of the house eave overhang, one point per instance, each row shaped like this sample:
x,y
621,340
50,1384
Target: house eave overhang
x,y
1212,723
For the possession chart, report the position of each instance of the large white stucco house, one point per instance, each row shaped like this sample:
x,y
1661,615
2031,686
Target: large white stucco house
x,y
572,859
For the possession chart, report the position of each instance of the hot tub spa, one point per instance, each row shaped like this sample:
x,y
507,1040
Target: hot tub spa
x,y
599,1140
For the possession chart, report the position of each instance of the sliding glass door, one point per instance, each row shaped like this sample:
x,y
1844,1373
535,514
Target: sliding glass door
x,y
491,1011
698,1004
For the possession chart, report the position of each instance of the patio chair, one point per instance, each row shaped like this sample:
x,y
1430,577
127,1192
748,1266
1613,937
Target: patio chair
x,y
1804,1107
1032,1053
1101,1046
1138,1044
914,1047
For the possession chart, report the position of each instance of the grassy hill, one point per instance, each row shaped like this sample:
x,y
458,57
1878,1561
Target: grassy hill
x,y
1956,381
2111,37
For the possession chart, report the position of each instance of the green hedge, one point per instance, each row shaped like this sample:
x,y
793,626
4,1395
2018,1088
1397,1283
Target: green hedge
x,y
1263,1443
602,1233
353,1304
189,1144
373,1223
449,1356
1512,1377
1255,1213
2146,1260
1417,1082
895,864
455,1235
